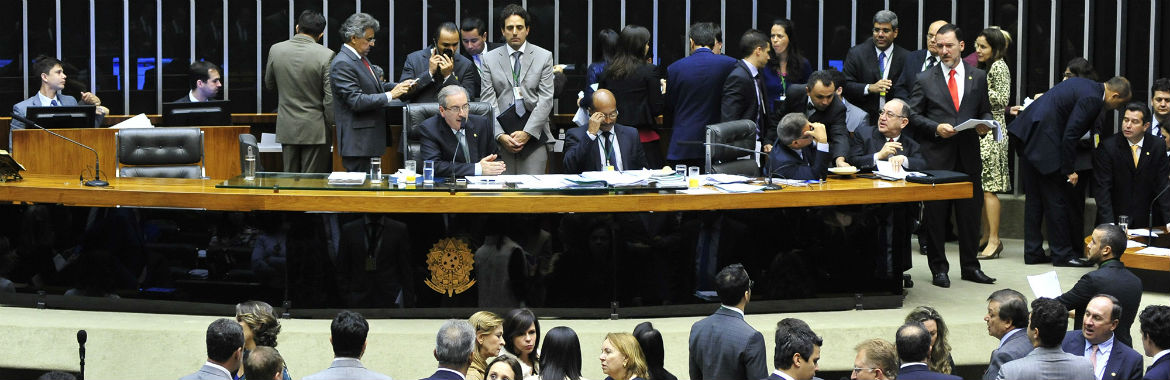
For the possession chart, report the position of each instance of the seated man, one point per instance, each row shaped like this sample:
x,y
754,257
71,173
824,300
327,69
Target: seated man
x,y
1111,359
886,142
805,151
225,351
618,146
455,140
1131,168
52,82
205,82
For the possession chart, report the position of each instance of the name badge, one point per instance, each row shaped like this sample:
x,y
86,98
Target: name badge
x,y
371,264
516,94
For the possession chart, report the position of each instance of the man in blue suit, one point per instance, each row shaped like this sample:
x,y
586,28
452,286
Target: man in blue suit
x,y
1155,321
1112,359
457,142
802,151
723,346
603,143
52,82
453,349
913,343
1046,134
225,350
692,98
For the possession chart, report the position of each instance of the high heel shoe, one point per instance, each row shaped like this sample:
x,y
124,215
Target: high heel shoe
x,y
993,255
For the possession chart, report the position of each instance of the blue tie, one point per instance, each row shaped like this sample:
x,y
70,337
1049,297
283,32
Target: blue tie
x,y
881,64
53,102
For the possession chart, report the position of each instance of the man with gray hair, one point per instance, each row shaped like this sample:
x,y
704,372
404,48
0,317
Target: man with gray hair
x,y
225,350
803,149
459,143
453,349
1006,318
874,66
359,96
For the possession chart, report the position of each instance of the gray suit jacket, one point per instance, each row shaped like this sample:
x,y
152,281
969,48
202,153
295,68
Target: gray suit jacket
x,y
347,369
1048,363
1017,346
65,100
536,86
207,373
724,347
358,106
298,70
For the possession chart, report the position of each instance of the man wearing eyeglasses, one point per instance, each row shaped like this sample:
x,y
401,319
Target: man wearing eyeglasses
x,y
886,142
918,61
875,360
603,144
872,67
460,144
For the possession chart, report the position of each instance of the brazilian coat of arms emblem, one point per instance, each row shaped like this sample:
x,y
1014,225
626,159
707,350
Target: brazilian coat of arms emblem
x,y
450,262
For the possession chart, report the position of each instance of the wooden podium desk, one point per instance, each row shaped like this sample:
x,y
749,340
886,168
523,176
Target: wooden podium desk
x,y
1133,259
41,153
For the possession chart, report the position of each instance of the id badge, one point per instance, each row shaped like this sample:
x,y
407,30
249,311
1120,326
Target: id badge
x,y
610,168
371,264
516,94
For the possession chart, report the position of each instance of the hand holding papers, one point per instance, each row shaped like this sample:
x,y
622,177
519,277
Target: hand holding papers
x,y
1045,285
989,124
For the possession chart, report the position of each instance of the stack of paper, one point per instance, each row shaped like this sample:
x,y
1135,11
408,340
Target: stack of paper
x,y
1045,285
725,178
347,178
739,188
1142,232
1155,251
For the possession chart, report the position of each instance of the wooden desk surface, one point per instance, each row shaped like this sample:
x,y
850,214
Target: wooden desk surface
x,y
1132,259
190,193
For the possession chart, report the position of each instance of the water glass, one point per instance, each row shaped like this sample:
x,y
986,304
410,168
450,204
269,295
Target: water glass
x,y
1123,221
681,170
428,172
376,170
693,177
411,171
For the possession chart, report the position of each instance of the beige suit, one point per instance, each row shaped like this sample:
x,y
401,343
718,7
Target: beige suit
x,y
536,87
298,70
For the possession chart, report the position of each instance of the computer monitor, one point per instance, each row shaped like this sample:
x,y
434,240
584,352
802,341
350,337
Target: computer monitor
x,y
192,114
63,117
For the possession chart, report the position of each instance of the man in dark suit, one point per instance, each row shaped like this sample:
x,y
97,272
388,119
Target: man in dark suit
x,y
723,346
820,103
1111,277
439,59
460,144
373,266
913,343
264,363
872,67
348,337
225,350
205,82
918,61
943,98
1156,340
1007,319
877,359
453,350
803,151
1112,360
887,142
473,38
359,97
743,90
1046,327
1132,168
1046,134
798,349
690,104
603,143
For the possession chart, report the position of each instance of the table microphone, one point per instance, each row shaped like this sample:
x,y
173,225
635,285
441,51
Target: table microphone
x,y
1150,221
767,179
97,177
451,169
81,351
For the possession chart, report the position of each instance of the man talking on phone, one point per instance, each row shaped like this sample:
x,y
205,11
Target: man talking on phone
x,y
438,66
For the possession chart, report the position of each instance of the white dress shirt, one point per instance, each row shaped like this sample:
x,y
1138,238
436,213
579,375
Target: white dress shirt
x,y
782,375
370,70
47,101
905,163
617,152
960,76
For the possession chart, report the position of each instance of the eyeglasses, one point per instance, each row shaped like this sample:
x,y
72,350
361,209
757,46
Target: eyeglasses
x,y
462,108
611,115
370,39
883,30
856,370
891,115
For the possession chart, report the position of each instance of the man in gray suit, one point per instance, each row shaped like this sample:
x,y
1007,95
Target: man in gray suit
x,y
264,363
359,97
1007,317
1049,321
453,350
298,69
723,346
52,82
225,350
441,58
348,337
520,75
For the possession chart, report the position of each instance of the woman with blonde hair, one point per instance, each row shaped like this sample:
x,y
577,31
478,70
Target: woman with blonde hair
x,y
622,359
940,350
260,328
489,341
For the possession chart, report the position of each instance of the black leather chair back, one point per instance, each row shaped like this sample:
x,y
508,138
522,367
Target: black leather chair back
x,y
415,113
740,133
160,152
248,140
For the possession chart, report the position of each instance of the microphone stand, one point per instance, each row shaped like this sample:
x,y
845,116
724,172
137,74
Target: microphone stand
x,y
97,177
451,168
767,180
1150,220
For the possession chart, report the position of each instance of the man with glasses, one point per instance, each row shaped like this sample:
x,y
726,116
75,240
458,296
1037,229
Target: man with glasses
x,y
460,144
918,61
875,360
872,67
438,66
603,144
886,142
723,346
913,344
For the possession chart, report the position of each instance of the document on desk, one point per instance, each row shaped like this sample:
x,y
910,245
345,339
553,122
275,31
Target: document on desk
x,y
972,123
1155,251
885,169
726,178
138,121
499,179
347,178
739,188
1133,244
1045,285
1141,232
614,178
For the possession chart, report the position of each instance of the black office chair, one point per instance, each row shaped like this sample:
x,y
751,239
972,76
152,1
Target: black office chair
x,y
721,160
248,140
160,152
415,113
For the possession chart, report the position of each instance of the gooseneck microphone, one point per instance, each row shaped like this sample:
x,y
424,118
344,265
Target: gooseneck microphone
x,y
1150,220
97,177
451,169
767,179
81,351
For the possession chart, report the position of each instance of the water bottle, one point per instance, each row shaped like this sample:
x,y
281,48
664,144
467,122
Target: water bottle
x,y
250,165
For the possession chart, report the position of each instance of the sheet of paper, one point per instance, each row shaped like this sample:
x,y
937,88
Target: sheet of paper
x,y
739,188
1141,232
701,190
138,121
725,178
1155,251
888,170
974,122
1133,244
1045,285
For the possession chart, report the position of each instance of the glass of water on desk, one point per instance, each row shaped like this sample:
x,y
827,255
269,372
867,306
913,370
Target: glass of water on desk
x,y
693,181
1123,221
428,172
376,170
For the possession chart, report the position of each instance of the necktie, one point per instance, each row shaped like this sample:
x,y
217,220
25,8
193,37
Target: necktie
x,y
53,102
463,145
516,82
371,69
763,114
607,144
954,88
881,65
478,62
930,61
1134,148
890,140
1093,356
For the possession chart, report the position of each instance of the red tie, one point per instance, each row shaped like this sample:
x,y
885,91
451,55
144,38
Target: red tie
x,y
891,139
376,77
954,87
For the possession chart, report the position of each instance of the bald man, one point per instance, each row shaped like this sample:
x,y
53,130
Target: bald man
x,y
918,61
603,144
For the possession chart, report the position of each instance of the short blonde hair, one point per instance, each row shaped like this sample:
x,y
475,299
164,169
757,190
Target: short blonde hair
x,y
484,322
881,354
626,344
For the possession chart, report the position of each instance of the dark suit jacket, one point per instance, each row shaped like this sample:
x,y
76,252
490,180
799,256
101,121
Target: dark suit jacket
x,y
833,117
1111,278
444,375
740,101
932,105
185,99
910,69
867,140
1050,127
426,88
785,163
1125,190
1124,363
1160,369
582,153
692,100
861,69
638,95
359,102
1017,346
724,347
488,46
922,372
439,144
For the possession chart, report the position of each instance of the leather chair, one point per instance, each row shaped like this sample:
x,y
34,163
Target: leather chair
x,y
248,140
160,152
412,117
721,160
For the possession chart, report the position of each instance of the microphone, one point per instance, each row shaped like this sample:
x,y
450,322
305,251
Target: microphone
x,y
97,177
1150,221
81,336
451,169
767,179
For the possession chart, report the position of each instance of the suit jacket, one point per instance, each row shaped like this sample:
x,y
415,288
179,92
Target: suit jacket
x,y
867,140
1160,369
1048,363
426,89
692,101
922,372
740,101
536,86
346,369
298,70
1051,126
1017,346
785,163
833,117
910,69
444,375
1123,189
488,46
22,107
638,95
359,102
861,69
363,286
1112,278
932,105
724,347
582,154
207,373
439,144
1124,363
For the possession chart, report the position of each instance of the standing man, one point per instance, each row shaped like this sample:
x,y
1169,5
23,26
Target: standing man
x,y
918,61
1007,317
820,101
225,351
1047,133
1160,102
723,346
1111,359
454,346
460,144
872,67
439,67
690,103
603,143
205,82
520,77
1047,325
1156,340
875,360
1131,168
474,39
913,343
798,351
943,98
348,333
360,97
298,70
1111,277
744,93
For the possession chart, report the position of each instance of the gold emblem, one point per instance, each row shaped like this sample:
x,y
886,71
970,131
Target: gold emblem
x,y
450,262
